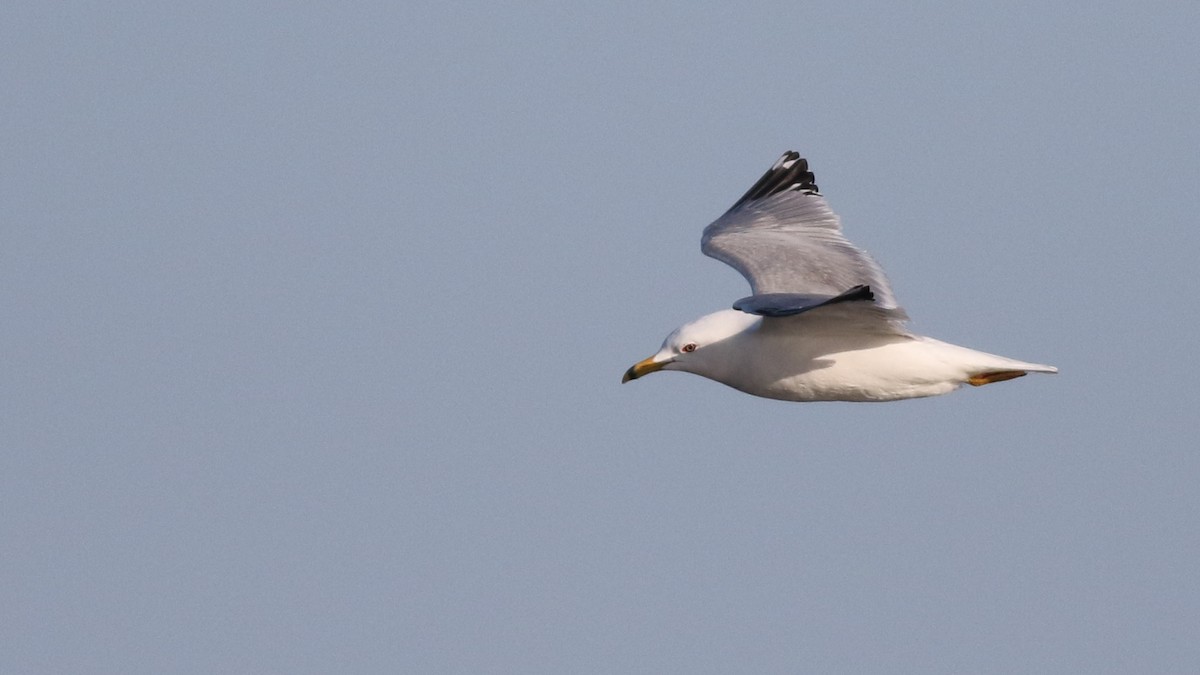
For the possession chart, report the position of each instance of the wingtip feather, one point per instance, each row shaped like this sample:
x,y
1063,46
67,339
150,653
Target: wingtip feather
x,y
789,172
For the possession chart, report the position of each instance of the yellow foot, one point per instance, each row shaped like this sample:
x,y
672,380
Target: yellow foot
x,y
980,379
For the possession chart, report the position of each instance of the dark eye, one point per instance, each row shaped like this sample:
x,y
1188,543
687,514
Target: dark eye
x,y
689,347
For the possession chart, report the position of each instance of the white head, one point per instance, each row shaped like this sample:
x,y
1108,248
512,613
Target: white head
x,y
699,347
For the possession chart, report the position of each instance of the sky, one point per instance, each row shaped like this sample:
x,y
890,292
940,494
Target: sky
x,y
315,316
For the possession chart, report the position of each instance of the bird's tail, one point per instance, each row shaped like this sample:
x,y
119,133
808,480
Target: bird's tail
x,y
980,368
1005,369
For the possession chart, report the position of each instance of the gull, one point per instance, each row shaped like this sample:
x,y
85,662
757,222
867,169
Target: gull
x,y
822,323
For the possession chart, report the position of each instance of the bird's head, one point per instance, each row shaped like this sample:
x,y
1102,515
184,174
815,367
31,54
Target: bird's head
x,y
698,347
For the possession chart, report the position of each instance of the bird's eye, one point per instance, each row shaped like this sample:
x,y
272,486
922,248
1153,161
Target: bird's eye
x,y
689,347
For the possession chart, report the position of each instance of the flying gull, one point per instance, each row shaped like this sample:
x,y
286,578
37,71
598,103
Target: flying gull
x,y
821,323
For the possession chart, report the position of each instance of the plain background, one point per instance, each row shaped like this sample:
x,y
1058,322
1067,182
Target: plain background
x,y
313,318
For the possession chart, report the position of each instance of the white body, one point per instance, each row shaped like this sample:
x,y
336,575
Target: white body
x,y
825,355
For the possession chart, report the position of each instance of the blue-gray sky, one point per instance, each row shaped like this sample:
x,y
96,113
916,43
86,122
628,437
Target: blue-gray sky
x,y
314,318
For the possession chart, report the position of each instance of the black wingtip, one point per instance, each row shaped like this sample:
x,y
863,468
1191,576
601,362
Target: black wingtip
x,y
790,172
860,292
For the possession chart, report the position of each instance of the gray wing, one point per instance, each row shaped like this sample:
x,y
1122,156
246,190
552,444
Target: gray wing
x,y
776,305
783,237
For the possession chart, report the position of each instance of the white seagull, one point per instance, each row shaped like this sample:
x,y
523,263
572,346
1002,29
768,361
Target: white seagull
x,y
822,323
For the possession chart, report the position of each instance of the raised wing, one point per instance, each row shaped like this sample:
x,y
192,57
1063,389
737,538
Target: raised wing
x,y
783,237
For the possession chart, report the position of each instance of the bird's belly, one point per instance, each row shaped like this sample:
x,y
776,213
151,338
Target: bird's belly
x,y
887,372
